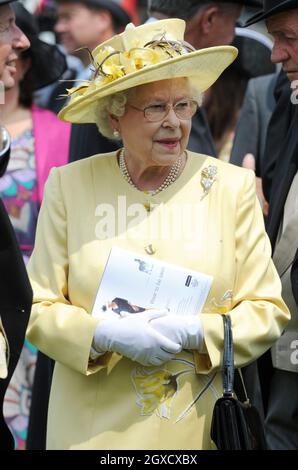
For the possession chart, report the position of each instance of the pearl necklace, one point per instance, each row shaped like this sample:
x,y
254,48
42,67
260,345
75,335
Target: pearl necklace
x,y
170,179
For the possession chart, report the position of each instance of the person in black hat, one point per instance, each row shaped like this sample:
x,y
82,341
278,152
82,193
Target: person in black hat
x,y
208,23
225,101
258,104
15,289
280,185
79,26
84,23
272,8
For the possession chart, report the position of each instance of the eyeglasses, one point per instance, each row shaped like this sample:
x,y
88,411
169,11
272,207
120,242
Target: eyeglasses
x,y
184,109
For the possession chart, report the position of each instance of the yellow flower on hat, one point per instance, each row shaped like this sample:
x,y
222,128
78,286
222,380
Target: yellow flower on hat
x,y
79,90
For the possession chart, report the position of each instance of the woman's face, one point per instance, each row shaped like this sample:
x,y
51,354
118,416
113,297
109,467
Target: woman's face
x,y
155,143
10,34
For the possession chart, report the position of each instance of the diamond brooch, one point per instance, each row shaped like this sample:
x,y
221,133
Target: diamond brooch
x,y
208,176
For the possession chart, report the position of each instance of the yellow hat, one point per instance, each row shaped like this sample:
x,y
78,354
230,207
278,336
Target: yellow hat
x,y
144,54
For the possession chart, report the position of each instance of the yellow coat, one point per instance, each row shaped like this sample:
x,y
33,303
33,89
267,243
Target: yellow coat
x,y
116,403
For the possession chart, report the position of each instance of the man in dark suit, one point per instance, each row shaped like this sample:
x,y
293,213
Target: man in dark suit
x,y
256,111
15,289
250,136
280,184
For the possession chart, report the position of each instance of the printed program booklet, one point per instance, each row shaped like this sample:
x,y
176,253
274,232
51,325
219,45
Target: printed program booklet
x,y
133,283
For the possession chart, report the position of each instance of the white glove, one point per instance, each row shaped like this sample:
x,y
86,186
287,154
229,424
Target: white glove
x,y
184,330
133,336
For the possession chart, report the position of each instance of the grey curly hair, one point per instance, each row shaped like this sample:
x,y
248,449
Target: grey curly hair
x,y
115,105
112,104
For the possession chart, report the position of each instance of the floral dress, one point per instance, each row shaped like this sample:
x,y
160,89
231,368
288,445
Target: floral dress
x,y
18,190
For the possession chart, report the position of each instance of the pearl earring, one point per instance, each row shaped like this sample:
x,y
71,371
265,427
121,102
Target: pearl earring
x,y
116,134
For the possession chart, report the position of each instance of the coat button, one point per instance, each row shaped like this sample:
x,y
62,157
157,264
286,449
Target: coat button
x,y
150,249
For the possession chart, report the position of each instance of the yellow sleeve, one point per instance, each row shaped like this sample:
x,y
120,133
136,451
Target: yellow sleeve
x,y
258,313
59,329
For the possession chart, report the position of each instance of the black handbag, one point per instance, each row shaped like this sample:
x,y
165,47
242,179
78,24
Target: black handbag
x,y
236,424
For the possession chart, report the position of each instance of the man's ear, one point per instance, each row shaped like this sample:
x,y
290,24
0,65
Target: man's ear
x,y
104,20
208,18
201,26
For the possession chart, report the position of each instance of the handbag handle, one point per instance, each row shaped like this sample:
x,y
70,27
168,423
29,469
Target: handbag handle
x,y
228,358
232,380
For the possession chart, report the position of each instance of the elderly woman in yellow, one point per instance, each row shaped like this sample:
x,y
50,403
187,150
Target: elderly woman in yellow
x,y
147,380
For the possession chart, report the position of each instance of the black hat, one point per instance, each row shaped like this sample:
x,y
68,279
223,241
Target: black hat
x,y
270,8
170,7
254,53
119,14
48,62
